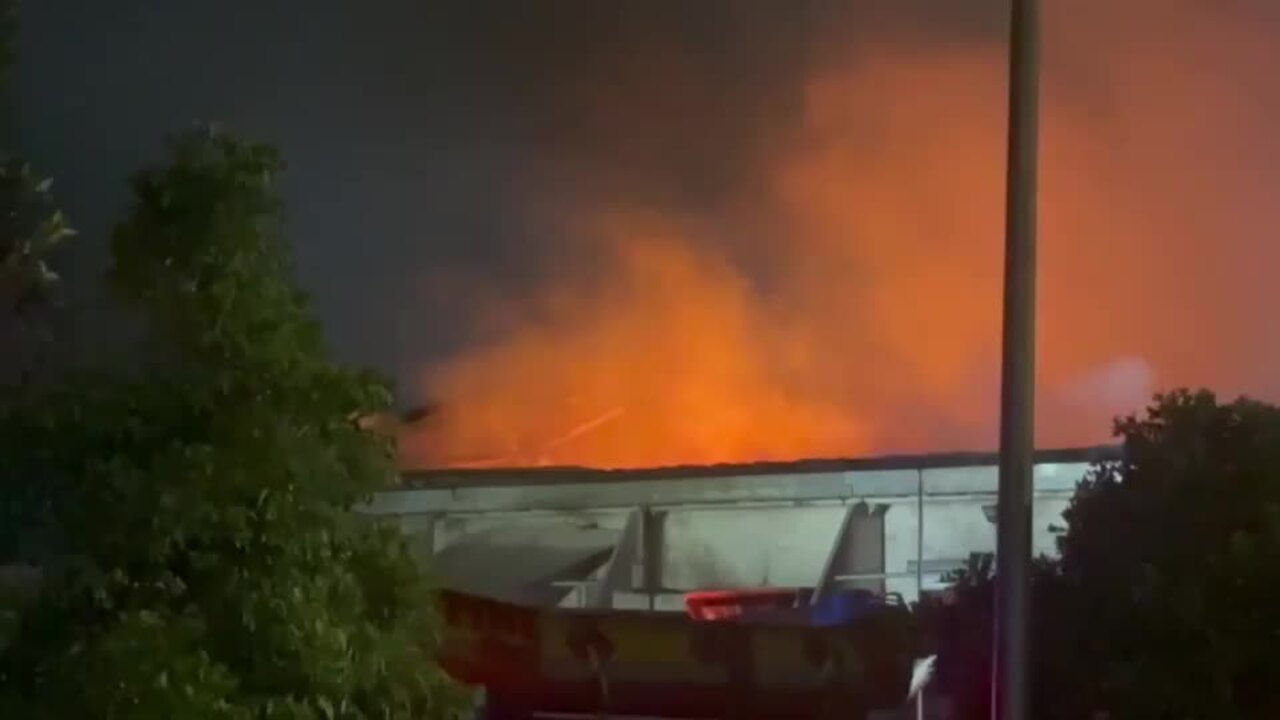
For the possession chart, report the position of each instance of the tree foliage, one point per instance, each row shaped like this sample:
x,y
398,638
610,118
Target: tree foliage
x,y
31,225
1163,600
210,562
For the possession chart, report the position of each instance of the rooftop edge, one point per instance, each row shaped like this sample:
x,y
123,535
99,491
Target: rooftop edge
x,y
444,478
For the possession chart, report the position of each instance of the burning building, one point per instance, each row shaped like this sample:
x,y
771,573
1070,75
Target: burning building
x,y
740,260
643,538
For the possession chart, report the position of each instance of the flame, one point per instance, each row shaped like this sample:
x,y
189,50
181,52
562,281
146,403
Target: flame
x,y
662,359
868,318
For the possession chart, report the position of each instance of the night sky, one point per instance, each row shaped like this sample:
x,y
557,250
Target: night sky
x,y
433,146
403,122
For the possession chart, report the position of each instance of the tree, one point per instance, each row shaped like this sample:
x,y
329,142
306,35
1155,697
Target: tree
x,y
962,629
1162,603
211,564
31,227
1175,554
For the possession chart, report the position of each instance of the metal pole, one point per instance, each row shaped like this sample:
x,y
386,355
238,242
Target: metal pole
x,y
1017,382
919,535
920,567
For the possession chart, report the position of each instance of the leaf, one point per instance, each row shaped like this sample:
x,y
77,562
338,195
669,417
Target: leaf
x,y
213,489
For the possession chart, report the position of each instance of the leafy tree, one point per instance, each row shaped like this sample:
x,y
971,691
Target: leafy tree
x,y
31,227
1162,603
211,564
1174,554
962,630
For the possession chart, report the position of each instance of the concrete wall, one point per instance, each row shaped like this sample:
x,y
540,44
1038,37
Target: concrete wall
x,y
749,530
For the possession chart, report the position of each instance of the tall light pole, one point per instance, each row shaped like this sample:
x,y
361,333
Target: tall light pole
x,y
1017,380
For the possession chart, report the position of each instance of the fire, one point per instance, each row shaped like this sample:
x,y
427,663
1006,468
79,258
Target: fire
x,y
663,358
846,302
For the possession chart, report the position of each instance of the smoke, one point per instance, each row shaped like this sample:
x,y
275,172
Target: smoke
x,y
805,261
1120,386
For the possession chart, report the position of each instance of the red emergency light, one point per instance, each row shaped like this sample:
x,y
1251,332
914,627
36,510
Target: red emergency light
x,y
712,605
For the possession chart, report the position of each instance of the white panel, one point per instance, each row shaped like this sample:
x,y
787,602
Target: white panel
x,y
451,527
1046,513
718,534
956,527
707,548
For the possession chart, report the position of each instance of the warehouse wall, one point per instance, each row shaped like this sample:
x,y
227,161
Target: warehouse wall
x,y
745,531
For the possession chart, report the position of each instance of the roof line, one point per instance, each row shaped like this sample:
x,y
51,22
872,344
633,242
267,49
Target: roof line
x,y
444,478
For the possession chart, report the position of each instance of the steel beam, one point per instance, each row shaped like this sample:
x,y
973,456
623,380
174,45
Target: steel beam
x,y
653,534
833,569
617,571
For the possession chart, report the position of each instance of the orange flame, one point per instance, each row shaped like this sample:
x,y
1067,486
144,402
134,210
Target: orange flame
x,y
873,323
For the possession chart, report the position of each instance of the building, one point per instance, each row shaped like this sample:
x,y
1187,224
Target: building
x,y
642,538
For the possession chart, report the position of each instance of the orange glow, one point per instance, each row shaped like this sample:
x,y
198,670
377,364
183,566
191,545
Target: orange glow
x,y
874,323
648,364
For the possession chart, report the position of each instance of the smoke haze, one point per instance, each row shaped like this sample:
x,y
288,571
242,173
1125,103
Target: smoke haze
x,y
778,232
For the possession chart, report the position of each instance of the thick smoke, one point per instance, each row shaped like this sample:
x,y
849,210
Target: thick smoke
x,y
780,236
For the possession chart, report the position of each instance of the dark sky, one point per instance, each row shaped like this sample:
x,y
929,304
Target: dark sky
x,y
391,121
405,122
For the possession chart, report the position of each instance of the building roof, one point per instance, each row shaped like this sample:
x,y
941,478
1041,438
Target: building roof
x,y
451,478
